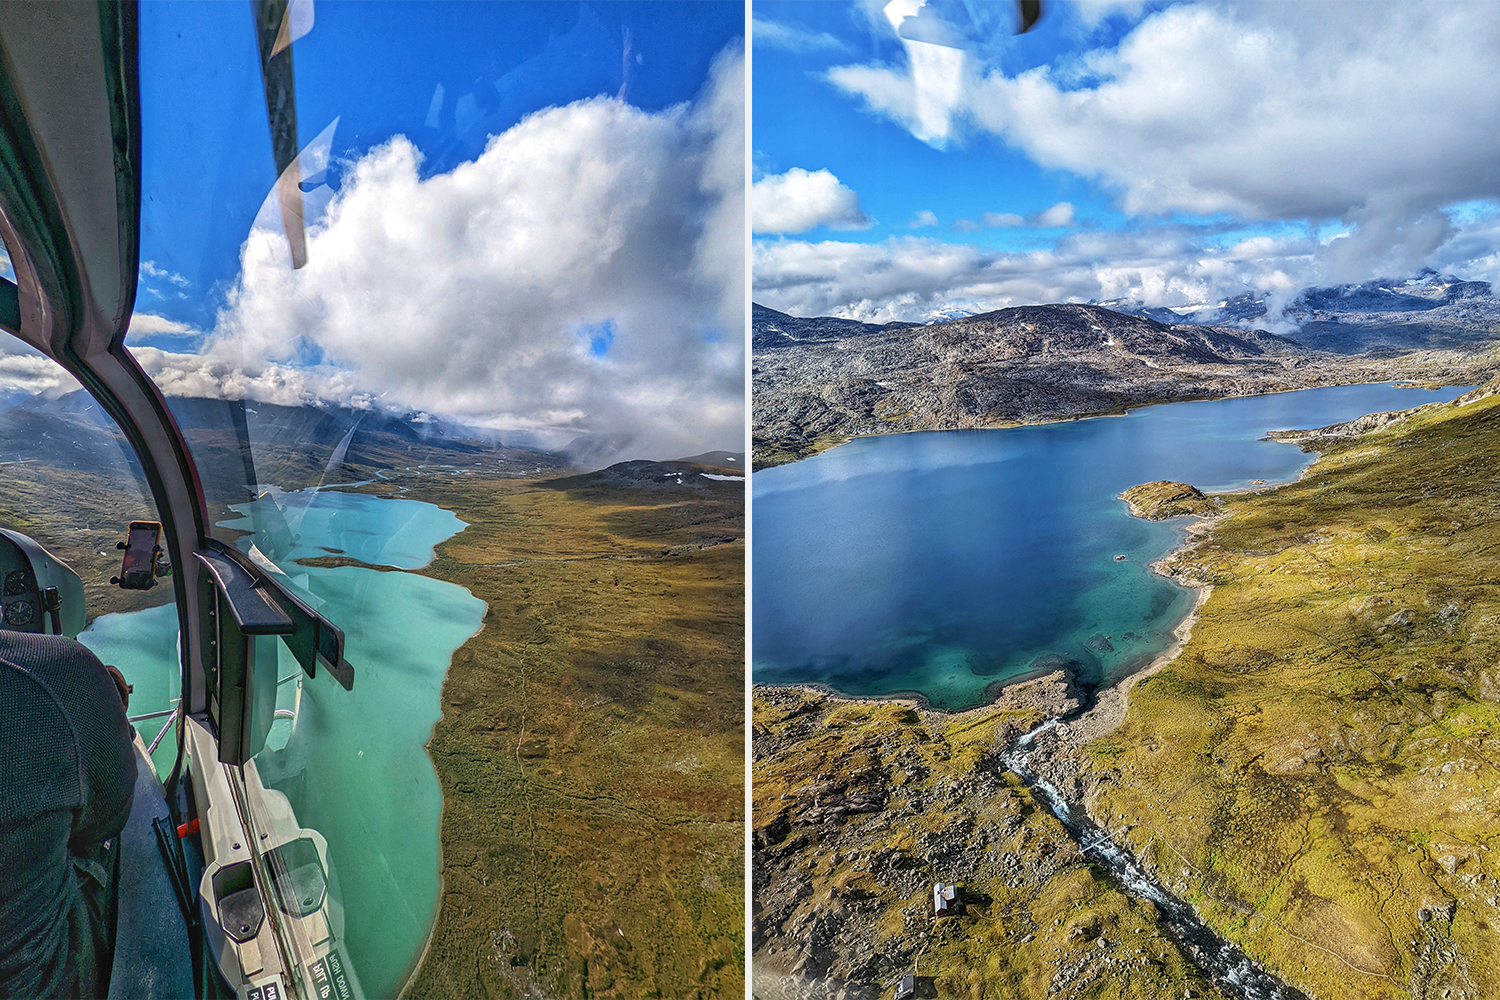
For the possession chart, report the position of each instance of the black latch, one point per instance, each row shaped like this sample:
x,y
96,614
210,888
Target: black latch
x,y
262,606
245,602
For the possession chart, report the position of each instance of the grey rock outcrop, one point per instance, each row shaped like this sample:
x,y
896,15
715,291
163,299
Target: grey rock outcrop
x,y
820,381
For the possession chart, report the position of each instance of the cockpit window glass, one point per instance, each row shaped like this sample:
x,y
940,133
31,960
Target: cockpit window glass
x,y
70,481
329,321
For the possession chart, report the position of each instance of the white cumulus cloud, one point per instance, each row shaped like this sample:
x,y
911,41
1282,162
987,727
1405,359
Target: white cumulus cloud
x,y
1059,215
799,200
144,325
583,275
1375,114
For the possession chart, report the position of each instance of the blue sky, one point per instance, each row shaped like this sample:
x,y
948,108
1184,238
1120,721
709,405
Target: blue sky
x,y
800,120
528,216
374,67
1171,153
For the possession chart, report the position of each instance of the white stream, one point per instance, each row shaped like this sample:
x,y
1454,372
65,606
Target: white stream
x,y
1223,963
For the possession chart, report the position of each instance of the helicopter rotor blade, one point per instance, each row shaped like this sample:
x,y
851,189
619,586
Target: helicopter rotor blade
x,y
274,32
1030,12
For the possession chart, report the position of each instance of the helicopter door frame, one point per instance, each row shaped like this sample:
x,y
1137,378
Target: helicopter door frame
x,y
70,195
70,171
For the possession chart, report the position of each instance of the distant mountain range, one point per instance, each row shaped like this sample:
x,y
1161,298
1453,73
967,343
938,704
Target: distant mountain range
x,y
819,381
291,446
1429,310
1035,332
714,472
311,425
297,446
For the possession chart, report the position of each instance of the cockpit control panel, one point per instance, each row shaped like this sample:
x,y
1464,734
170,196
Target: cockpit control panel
x,y
38,592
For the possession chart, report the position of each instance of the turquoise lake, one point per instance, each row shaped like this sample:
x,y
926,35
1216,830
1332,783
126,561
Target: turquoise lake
x,y
354,764
942,563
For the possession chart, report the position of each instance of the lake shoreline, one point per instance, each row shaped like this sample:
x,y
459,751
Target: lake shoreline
x,y
425,570
1092,698
1100,415
985,696
997,691
592,771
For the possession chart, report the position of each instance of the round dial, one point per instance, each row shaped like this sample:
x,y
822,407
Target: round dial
x,y
19,613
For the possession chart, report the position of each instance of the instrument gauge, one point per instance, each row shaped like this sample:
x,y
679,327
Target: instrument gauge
x,y
19,613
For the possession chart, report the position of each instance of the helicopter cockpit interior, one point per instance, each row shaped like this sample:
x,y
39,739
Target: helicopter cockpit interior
x,y
248,867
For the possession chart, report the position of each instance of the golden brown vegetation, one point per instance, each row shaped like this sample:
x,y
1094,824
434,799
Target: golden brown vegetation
x,y
591,745
860,807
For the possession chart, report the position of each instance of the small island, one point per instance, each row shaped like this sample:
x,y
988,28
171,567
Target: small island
x,y
1163,499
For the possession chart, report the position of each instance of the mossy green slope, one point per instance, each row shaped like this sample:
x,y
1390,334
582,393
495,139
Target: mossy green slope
x,y
859,807
591,746
1317,771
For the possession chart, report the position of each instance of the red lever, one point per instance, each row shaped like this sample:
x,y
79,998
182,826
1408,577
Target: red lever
x,y
187,829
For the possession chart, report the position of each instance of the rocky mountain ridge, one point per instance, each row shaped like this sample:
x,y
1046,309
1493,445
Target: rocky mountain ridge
x,y
818,382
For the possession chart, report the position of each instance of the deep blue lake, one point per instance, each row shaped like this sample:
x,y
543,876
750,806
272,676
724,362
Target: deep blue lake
x,y
944,562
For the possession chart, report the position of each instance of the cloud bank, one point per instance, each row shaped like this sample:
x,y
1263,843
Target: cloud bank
x,y
26,371
916,279
478,294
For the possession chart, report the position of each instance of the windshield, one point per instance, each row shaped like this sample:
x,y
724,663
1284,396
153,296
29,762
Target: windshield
x,y
493,225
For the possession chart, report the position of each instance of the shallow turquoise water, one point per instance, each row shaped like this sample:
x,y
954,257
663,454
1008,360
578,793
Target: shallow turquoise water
x,y
354,765
947,561
144,645
380,530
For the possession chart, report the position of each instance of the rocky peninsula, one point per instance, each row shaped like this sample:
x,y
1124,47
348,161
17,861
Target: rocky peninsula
x,y
1163,499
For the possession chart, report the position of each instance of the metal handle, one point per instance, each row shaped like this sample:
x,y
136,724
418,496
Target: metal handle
x,y
157,742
